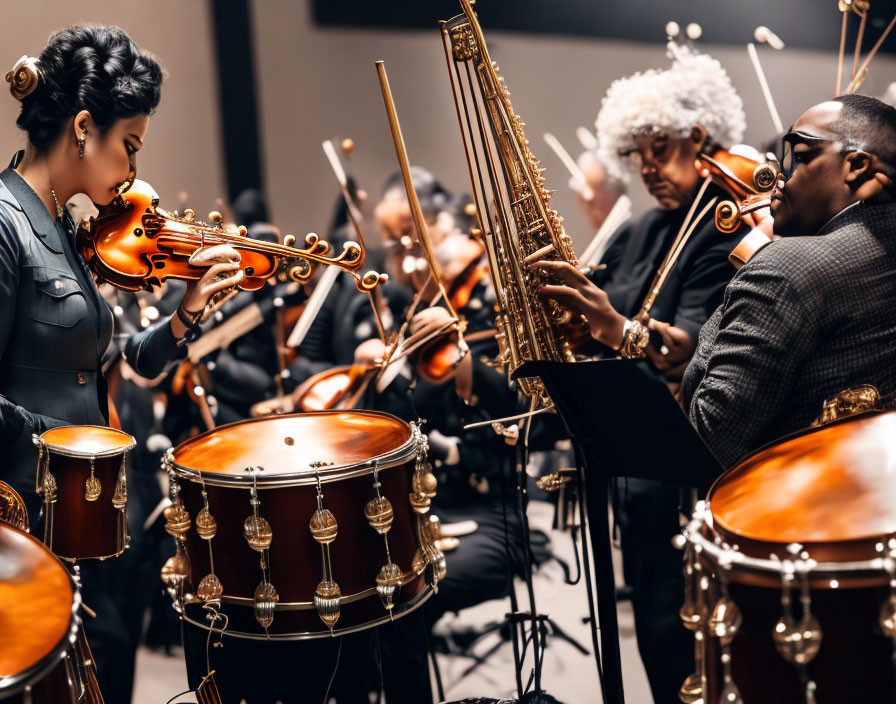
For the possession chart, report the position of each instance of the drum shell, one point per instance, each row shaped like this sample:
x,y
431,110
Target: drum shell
x,y
54,688
357,553
854,662
84,529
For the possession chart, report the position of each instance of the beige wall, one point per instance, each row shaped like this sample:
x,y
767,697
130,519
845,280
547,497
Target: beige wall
x,y
319,83
182,151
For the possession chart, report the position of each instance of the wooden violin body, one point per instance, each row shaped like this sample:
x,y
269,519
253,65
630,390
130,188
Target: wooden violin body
x,y
135,245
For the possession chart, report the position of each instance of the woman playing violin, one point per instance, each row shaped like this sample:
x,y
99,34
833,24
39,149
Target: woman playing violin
x,y
86,103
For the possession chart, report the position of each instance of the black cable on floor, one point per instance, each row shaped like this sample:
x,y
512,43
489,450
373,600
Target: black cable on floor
x,y
335,670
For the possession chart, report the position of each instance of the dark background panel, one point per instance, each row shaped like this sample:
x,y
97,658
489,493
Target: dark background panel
x,y
811,24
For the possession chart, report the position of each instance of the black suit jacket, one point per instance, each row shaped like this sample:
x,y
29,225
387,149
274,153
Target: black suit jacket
x,y
54,329
804,319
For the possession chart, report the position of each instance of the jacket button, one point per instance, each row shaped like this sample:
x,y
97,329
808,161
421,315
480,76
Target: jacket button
x,y
81,378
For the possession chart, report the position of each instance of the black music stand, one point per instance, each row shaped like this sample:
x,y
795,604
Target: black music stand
x,y
623,422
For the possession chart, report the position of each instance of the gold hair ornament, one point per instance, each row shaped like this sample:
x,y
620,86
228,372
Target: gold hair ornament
x,y
23,78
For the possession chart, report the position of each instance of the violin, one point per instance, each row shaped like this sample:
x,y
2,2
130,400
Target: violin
x,y
750,184
438,357
135,245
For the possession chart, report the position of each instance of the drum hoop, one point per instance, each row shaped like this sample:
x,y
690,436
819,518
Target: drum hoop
x,y
400,610
730,559
68,452
333,473
15,683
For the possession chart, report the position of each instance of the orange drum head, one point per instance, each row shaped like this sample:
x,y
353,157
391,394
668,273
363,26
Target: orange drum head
x,y
36,601
86,440
294,444
833,484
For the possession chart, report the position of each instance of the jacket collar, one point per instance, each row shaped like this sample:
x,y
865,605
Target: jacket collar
x,y
34,209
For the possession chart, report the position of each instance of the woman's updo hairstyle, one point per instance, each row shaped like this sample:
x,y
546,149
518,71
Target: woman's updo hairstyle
x,y
86,67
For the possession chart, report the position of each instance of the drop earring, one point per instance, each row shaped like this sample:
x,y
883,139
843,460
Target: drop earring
x,y
81,143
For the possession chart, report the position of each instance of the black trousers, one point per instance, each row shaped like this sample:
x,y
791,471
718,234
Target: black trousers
x,y
647,514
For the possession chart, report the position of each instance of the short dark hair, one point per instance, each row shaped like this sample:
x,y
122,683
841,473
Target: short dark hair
x,y
89,67
433,196
868,124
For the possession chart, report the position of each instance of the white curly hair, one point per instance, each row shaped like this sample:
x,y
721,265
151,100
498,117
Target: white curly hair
x,y
695,90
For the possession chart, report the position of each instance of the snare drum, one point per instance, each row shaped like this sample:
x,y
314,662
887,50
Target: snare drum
x,y
39,625
82,478
302,526
791,571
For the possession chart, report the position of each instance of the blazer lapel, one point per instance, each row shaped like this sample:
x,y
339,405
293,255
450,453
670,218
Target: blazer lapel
x,y
35,210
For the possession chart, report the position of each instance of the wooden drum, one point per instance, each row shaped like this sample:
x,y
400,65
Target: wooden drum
x,y
791,571
39,624
301,526
82,477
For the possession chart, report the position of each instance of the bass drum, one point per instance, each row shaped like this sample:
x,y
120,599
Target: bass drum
x,y
302,526
792,569
40,639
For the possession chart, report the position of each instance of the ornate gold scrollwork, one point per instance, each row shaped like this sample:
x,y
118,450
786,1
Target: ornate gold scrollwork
x,y
259,535
92,487
423,485
176,569
849,402
210,587
380,514
12,507
324,528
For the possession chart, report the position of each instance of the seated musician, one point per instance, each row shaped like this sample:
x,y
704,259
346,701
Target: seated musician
x,y
811,314
597,196
658,122
85,106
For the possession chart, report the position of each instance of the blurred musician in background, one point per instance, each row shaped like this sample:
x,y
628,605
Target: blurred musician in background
x,y
810,315
657,123
86,103
475,467
597,196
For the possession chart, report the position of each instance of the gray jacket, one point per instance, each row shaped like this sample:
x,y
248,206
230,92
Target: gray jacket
x,y
804,319
54,329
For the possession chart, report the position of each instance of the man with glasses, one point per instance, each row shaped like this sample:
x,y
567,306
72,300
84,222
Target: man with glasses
x,y
655,124
812,313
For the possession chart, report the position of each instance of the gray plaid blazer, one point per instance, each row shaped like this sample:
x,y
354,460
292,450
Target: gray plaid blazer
x,y
804,319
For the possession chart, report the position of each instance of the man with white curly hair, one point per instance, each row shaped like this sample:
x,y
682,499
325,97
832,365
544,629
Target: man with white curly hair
x,y
657,123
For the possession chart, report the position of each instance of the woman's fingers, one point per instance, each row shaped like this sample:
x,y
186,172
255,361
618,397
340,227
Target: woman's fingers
x,y
212,287
206,256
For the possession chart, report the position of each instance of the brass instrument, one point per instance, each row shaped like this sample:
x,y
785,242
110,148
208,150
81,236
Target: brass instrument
x,y
519,227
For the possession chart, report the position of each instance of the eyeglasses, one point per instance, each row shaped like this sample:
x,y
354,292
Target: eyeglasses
x,y
790,159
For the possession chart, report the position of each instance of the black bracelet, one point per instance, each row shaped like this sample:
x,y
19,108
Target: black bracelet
x,y
183,317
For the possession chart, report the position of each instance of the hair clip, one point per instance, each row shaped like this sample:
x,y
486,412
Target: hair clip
x,y
23,78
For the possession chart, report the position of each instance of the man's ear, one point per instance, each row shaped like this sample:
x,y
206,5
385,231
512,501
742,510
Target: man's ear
x,y
862,178
698,136
857,168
